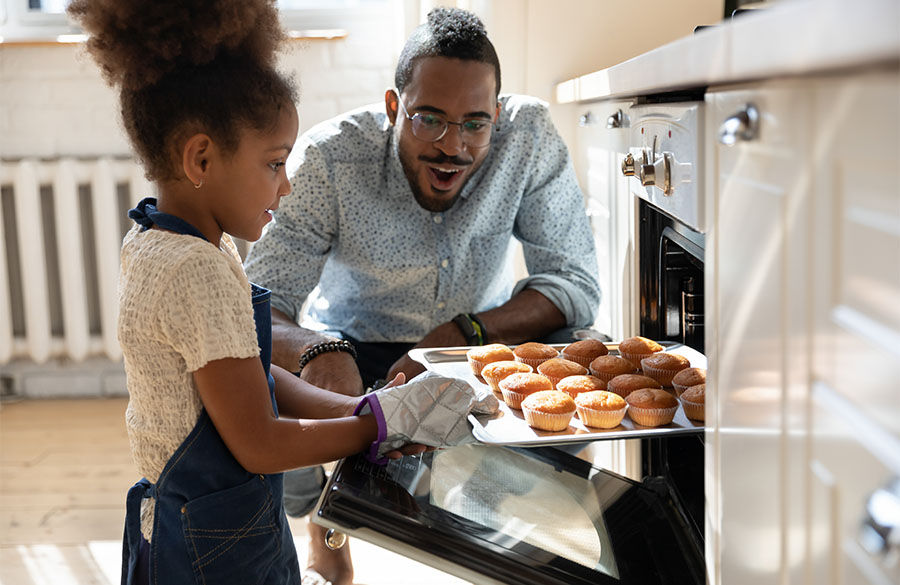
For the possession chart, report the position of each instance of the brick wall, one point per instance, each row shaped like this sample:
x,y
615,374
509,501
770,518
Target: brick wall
x,y
54,102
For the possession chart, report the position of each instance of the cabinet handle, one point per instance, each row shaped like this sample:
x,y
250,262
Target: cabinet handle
x,y
741,127
880,530
585,119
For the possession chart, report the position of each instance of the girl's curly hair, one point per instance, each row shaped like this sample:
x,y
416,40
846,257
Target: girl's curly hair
x,y
185,66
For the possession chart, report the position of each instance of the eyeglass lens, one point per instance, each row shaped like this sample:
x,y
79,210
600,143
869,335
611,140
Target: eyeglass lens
x,y
431,128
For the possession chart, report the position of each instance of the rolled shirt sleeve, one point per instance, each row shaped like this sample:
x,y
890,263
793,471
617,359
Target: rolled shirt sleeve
x,y
555,232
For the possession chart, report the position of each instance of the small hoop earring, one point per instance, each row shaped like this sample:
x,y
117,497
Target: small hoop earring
x,y
198,185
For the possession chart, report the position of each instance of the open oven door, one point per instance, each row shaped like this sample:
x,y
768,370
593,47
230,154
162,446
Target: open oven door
x,y
513,515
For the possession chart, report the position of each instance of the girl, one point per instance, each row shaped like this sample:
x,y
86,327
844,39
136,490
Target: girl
x,y
211,426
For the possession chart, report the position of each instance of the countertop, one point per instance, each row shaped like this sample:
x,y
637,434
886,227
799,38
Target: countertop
x,y
792,37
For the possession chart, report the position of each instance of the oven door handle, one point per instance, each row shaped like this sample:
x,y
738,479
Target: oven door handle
x,y
741,127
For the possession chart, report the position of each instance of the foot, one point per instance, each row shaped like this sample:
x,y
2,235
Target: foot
x,y
334,565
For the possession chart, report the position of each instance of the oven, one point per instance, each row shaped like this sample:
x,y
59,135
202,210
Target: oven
x,y
539,515
662,160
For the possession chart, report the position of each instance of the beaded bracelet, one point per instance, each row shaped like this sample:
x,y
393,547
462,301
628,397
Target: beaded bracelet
x,y
325,347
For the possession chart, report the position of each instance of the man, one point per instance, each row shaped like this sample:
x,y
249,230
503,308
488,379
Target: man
x,y
402,216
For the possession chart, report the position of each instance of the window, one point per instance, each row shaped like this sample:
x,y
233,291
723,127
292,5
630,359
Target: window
x,y
36,20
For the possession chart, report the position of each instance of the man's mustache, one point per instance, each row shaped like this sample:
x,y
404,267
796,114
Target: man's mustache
x,y
443,160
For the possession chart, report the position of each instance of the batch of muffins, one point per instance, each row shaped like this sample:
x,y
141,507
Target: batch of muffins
x,y
550,386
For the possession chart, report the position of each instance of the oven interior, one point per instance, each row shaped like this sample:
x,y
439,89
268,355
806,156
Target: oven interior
x,y
670,274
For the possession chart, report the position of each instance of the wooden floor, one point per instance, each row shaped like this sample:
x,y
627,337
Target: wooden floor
x,y
65,467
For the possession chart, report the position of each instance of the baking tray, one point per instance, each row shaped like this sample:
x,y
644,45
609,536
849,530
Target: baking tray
x,y
508,426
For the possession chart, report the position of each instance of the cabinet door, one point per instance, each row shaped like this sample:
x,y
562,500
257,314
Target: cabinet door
x,y
601,146
855,369
756,248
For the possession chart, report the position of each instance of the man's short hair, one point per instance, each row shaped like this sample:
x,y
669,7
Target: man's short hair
x,y
448,32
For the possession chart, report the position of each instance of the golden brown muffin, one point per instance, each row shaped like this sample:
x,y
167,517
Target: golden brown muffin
x,y
483,355
627,383
663,366
600,409
575,385
584,352
516,387
496,371
651,407
688,377
548,410
557,368
534,353
607,367
634,349
693,400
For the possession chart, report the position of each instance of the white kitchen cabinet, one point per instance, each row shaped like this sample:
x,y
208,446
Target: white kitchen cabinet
x,y
854,389
600,147
803,294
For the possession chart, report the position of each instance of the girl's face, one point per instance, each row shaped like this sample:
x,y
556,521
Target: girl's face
x,y
252,182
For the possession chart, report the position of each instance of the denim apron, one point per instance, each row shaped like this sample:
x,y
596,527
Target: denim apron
x,y
215,522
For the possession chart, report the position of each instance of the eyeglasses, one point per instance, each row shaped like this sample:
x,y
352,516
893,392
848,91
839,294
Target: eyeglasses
x,y
430,127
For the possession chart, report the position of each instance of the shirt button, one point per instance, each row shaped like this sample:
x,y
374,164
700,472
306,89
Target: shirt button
x,y
441,305
438,219
445,263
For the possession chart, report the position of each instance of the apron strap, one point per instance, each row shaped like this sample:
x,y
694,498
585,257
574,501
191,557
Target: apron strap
x,y
147,215
131,541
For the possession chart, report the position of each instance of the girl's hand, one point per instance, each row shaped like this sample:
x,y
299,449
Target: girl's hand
x,y
413,448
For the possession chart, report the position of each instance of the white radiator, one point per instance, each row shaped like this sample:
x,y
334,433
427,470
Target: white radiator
x,y
61,227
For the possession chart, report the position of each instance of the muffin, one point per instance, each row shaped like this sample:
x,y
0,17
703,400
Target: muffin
x,y
607,367
483,355
663,366
694,402
688,377
516,387
575,385
634,349
600,409
627,383
548,410
584,352
534,353
496,371
651,407
557,368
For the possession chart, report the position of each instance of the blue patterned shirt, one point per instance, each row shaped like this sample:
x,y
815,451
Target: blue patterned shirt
x,y
387,269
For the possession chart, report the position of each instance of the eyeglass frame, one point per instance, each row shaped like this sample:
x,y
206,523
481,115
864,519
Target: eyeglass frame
x,y
447,123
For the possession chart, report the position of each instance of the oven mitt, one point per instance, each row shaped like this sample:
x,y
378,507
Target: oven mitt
x,y
430,410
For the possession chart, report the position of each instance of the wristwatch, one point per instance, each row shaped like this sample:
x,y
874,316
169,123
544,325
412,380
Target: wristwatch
x,y
472,328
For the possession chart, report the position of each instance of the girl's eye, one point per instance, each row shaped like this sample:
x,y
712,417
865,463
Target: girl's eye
x,y
276,165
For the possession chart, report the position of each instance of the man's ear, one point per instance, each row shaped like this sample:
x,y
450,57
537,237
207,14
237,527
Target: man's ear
x,y
195,158
391,105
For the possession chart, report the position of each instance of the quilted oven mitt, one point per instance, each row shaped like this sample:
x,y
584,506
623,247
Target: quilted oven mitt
x,y
430,409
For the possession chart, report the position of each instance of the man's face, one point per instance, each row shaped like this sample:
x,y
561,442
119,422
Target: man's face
x,y
456,90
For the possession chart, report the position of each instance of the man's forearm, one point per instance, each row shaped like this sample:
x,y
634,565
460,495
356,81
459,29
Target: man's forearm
x,y
289,340
527,316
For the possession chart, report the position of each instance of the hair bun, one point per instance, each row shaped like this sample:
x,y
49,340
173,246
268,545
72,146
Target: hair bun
x,y
138,42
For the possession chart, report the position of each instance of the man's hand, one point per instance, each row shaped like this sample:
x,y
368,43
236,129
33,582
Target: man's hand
x,y
444,335
406,365
335,371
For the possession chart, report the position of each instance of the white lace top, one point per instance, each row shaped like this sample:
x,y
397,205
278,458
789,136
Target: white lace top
x,y
182,303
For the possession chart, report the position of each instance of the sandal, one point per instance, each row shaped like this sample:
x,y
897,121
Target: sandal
x,y
312,577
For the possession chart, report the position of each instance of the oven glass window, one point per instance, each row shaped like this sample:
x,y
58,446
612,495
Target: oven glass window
x,y
536,515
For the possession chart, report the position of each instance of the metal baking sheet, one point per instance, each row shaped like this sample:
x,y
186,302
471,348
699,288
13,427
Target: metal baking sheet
x,y
508,426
